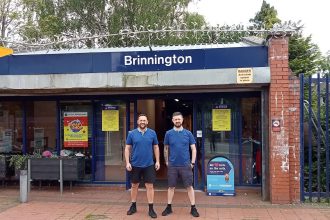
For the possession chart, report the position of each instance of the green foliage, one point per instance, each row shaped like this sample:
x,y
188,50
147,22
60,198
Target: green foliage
x,y
19,161
304,56
325,64
48,18
266,17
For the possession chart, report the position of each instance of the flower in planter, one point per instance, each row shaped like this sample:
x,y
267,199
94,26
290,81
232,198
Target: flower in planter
x,y
47,154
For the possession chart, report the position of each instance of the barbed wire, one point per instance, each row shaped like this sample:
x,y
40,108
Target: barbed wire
x,y
147,36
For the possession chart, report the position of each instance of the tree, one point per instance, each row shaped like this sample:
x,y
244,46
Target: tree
x,y
106,17
9,18
325,64
266,17
304,56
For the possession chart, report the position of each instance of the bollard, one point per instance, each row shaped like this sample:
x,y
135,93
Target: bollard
x,y
23,188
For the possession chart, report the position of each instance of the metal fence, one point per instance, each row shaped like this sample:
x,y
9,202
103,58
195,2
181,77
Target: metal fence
x,y
314,138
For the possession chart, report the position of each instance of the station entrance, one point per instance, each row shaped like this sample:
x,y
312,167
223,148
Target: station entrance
x,y
241,143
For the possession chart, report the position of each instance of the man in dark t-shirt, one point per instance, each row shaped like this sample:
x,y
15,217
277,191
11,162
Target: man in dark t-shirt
x,y
141,147
177,158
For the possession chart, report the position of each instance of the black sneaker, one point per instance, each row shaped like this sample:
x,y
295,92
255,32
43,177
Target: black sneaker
x,y
194,212
131,210
152,213
167,211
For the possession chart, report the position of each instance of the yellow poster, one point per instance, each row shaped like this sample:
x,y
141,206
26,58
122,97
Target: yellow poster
x,y
110,120
221,119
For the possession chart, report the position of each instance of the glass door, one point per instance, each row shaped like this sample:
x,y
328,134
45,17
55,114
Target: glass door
x,y
110,142
240,144
219,141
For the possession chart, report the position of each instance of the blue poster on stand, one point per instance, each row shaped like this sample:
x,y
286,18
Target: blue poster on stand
x,y
220,177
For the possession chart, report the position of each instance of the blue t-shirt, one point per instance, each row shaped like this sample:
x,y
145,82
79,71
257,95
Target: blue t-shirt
x,y
179,143
142,147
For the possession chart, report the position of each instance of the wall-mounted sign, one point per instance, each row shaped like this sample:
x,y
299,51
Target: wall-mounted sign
x,y
276,125
220,177
122,60
244,75
221,118
110,118
75,129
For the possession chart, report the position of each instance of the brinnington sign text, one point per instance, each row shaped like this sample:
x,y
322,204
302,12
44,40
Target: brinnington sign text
x,y
156,60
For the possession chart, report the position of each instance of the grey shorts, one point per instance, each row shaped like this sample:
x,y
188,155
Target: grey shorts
x,y
185,173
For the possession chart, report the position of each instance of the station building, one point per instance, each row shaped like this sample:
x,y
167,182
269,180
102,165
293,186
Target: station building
x,y
239,100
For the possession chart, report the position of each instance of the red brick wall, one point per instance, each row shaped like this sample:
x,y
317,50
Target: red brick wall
x,y
283,144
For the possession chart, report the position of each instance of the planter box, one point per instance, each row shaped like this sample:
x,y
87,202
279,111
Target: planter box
x,y
5,170
3,166
49,168
45,168
73,168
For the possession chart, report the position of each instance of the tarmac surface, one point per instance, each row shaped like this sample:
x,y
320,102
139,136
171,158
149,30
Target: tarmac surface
x,y
94,203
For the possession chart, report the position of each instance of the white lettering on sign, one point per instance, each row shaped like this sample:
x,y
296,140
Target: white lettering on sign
x,y
156,60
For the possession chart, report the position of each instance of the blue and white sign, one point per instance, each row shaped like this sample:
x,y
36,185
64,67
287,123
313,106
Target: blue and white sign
x,y
220,177
134,61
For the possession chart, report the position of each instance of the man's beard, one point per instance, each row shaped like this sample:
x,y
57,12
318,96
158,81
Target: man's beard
x,y
142,126
178,125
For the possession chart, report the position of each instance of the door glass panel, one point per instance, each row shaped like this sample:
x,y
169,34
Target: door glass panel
x,y
251,142
11,127
81,109
220,143
110,145
41,126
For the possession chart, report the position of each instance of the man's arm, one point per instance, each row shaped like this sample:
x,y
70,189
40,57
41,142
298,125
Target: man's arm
x,y
193,154
166,154
156,152
127,157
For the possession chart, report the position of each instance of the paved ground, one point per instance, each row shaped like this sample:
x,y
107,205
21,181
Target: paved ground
x,y
93,203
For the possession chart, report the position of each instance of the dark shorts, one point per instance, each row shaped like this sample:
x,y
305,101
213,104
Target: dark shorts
x,y
148,174
185,173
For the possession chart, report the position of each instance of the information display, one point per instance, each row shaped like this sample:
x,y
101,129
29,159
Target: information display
x,y
221,118
110,118
220,177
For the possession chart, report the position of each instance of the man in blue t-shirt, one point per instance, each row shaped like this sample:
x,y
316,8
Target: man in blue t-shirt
x,y
141,146
177,158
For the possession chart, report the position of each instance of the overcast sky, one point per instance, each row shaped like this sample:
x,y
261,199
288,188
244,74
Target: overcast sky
x,y
312,13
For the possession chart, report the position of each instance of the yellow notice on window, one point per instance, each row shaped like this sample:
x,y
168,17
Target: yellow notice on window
x,y
221,119
110,120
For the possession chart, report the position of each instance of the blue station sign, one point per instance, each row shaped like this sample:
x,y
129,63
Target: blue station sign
x,y
134,61
220,177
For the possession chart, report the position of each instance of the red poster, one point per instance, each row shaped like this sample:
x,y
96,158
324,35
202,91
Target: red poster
x,y
75,129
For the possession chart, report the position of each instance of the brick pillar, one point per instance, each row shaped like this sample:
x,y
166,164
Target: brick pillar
x,y
284,142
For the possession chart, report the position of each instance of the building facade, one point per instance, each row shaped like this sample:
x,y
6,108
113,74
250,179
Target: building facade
x,y
239,100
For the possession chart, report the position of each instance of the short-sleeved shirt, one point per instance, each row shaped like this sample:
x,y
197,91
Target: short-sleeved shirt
x,y
179,143
142,147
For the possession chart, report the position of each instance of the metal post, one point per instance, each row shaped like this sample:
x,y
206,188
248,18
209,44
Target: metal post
x,y
302,143
61,176
29,175
23,189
